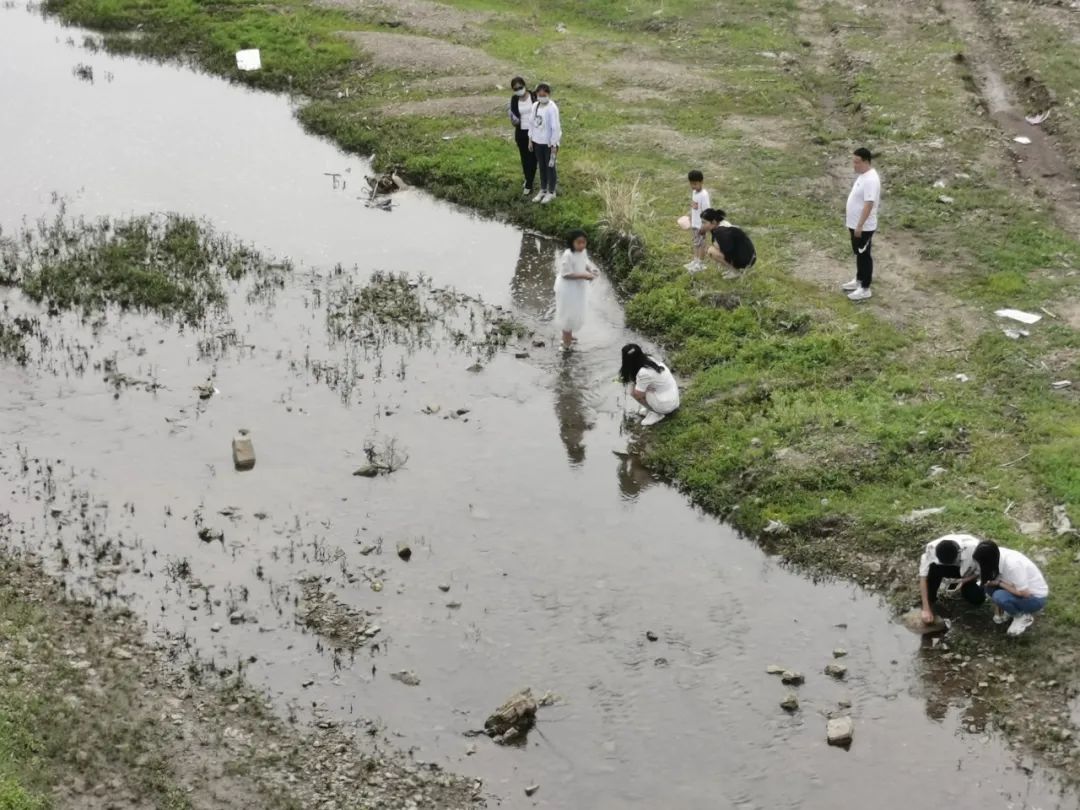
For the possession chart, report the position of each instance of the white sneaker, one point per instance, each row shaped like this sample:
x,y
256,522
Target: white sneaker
x,y
851,286
1020,623
642,411
548,198
539,196
652,418
861,294
1001,618
526,191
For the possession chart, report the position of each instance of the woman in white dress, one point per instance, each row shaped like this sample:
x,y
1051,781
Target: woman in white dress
x,y
651,383
574,272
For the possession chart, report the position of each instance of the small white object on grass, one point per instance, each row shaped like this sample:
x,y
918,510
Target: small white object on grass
x,y
249,59
1022,139
1018,315
684,222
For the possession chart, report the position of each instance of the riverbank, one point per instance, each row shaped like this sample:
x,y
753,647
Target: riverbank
x,y
833,421
91,716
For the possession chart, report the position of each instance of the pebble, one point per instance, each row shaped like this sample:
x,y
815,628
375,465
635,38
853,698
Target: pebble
x,y
775,669
215,627
839,652
453,605
840,730
444,587
792,678
406,677
531,789
307,683
790,703
837,671
651,636
404,550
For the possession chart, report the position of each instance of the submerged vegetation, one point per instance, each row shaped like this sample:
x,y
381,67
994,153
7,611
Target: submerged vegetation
x,y
170,265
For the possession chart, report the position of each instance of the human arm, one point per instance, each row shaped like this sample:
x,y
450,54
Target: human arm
x,y
1015,590
867,208
927,611
555,125
514,118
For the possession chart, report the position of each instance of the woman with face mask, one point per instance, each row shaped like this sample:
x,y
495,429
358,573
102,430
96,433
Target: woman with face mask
x,y
545,132
520,108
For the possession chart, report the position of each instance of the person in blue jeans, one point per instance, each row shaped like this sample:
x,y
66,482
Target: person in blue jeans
x,y
1014,583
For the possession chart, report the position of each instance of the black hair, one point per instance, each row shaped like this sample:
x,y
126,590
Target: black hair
x,y
542,86
695,176
947,551
517,81
864,153
988,556
573,236
633,360
713,215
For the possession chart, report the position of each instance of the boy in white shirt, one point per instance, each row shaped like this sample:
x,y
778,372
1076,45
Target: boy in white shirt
x,y
863,205
699,202
949,557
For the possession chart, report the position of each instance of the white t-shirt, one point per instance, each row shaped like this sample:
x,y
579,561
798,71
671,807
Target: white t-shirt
x,y
1021,573
867,188
661,383
699,202
968,567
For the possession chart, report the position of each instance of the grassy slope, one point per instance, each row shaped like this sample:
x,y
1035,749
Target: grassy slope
x,y
860,403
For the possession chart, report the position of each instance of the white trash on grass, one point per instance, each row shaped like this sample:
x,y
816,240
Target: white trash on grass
x,y
249,59
1019,315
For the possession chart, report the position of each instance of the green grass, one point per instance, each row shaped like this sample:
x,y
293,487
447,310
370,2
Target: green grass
x,y
171,265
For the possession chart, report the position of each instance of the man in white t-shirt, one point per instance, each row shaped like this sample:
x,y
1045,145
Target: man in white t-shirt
x,y
949,557
863,205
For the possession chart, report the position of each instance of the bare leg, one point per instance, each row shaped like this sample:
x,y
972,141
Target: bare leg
x,y
567,339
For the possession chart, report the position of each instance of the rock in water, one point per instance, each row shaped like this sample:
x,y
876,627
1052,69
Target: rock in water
x,y
912,620
790,703
837,671
792,678
514,718
404,550
839,652
406,677
775,669
840,731
243,451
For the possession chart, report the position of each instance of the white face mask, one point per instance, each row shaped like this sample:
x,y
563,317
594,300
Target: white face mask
x,y
543,99
520,92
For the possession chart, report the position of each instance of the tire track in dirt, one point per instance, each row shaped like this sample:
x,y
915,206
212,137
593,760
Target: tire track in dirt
x,y
1043,161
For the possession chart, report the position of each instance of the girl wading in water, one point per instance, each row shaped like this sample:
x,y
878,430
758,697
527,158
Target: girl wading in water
x,y
521,115
575,271
651,383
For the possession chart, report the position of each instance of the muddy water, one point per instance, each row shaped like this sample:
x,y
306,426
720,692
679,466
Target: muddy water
x,y
561,553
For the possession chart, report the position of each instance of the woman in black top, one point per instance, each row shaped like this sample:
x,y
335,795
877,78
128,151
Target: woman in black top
x,y
521,104
735,248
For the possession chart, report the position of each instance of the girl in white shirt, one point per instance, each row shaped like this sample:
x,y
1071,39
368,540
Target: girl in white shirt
x,y
651,383
545,133
1014,582
575,271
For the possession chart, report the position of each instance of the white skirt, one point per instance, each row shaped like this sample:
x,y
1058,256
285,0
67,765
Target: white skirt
x,y
570,298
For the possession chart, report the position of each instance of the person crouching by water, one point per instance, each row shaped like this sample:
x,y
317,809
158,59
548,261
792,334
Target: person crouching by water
x,y
949,557
575,271
521,116
651,383
1014,583
731,245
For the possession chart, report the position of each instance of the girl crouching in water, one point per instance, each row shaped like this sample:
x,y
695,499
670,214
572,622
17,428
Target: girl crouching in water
x,y
651,383
575,271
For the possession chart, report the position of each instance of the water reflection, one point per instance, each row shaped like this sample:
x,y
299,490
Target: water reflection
x,y
571,409
633,477
534,275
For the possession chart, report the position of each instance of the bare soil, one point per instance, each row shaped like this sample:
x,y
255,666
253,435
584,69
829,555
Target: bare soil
x,y
416,54
422,16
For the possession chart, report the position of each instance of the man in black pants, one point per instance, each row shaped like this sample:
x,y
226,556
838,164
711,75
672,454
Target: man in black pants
x,y
520,108
949,557
863,204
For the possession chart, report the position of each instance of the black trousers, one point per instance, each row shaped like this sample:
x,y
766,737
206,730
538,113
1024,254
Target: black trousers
x,y
864,262
971,591
528,158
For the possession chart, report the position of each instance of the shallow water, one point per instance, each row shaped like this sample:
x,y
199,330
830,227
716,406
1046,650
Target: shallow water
x,y
561,552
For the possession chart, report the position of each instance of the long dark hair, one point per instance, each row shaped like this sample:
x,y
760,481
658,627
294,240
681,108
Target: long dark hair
x,y
988,556
633,360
